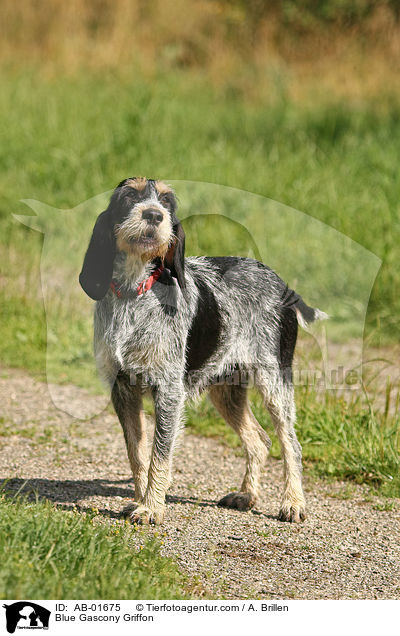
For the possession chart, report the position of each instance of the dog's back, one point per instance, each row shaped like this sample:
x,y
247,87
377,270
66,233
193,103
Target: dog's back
x,y
246,317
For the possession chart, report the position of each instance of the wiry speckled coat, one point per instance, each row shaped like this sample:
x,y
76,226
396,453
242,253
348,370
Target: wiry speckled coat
x,y
219,324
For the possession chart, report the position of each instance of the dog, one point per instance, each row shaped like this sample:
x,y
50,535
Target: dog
x,y
177,326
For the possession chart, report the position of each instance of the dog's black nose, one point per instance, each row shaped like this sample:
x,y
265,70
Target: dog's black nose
x,y
153,216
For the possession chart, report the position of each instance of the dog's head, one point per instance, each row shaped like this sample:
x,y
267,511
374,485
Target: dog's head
x,y
141,221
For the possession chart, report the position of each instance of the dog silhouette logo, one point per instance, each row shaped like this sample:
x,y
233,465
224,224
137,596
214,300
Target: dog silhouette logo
x,y
26,615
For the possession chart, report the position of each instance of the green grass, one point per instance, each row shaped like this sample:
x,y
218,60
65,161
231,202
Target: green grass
x,y
69,139
345,440
50,553
340,439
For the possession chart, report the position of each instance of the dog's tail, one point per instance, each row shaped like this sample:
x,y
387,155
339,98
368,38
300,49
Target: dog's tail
x,y
305,314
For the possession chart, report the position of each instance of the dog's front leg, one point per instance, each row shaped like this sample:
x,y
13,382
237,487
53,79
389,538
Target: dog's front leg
x,y
168,403
127,401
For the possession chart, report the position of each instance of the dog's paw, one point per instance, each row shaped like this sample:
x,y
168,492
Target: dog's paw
x,y
141,514
292,513
237,501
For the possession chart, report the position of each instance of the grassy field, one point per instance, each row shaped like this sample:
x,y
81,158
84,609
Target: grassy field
x,y
70,139
73,556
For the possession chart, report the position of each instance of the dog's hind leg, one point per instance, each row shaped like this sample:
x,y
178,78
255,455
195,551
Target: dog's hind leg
x,y
232,404
276,386
127,401
279,399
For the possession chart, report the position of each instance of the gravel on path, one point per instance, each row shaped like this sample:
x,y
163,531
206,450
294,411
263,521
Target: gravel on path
x,y
348,548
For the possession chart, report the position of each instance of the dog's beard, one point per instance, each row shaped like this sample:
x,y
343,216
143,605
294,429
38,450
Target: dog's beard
x,y
144,248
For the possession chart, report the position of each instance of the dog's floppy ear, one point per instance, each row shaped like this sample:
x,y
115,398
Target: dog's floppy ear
x,y
175,257
97,269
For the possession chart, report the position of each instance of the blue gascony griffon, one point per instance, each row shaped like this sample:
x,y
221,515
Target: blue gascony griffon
x,y
175,326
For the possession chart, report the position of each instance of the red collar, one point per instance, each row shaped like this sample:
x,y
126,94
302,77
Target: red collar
x,y
142,288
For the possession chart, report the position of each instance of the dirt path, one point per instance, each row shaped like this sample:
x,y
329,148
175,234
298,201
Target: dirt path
x,y
347,548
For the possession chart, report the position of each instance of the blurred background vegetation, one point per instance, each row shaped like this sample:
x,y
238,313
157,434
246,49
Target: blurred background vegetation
x,y
294,100
297,101
348,46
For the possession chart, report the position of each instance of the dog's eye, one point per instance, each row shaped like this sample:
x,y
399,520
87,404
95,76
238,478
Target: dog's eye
x,y
133,196
165,199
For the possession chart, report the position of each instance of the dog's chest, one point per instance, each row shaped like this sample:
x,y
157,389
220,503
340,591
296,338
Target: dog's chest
x,y
138,334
